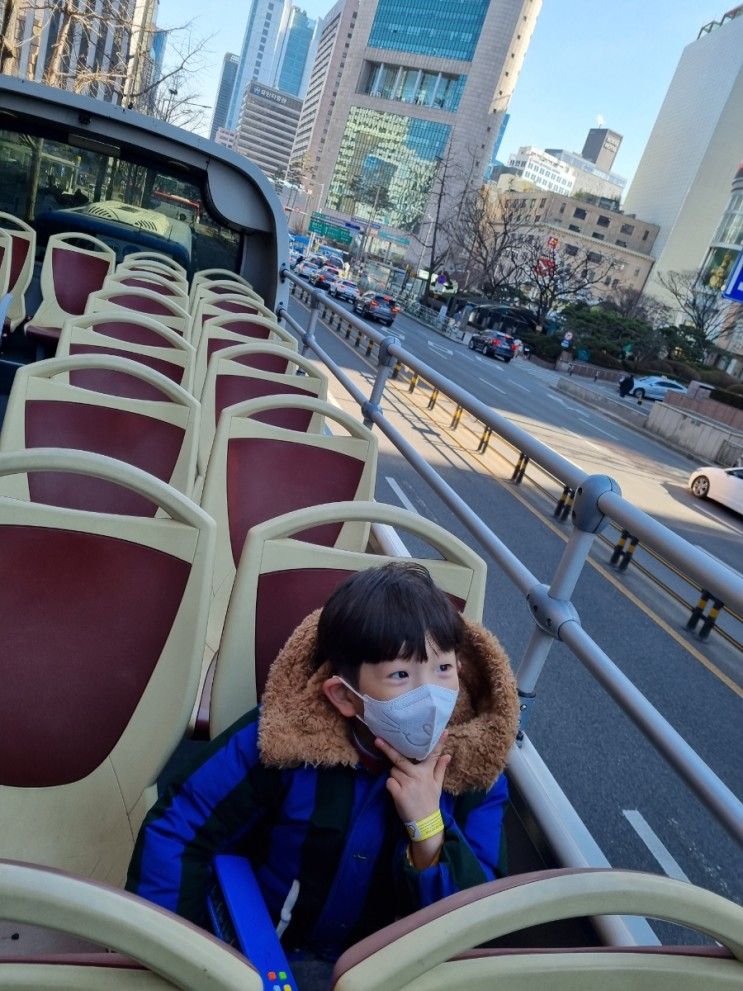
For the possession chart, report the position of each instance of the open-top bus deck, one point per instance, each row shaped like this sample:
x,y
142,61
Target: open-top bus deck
x,y
144,595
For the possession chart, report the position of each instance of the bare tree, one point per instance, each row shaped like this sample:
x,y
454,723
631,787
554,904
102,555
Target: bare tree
x,y
8,29
490,232
699,304
556,276
637,305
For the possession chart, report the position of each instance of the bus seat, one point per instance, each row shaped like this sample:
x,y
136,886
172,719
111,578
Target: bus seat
x,y
20,265
432,948
154,950
162,308
135,279
158,258
232,329
211,305
75,266
249,464
134,336
281,579
249,371
53,404
217,275
104,623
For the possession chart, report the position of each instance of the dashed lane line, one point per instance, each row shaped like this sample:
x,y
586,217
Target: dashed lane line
x,y
496,387
653,842
407,504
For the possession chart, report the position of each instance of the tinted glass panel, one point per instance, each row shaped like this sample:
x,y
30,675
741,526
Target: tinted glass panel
x,y
446,28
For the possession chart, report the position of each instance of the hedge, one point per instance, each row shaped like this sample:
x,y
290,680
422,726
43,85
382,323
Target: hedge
x,y
729,398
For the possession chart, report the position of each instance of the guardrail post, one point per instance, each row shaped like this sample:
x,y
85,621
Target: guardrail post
x,y
369,347
434,397
484,440
619,547
709,622
456,418
413,382
520,470
358,339
551,607
384,370
396,370
698,610
627,553
562,502
308,337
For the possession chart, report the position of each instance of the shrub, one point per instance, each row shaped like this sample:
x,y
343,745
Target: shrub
x,y
604,360
683,371
544,347
716,376
727,397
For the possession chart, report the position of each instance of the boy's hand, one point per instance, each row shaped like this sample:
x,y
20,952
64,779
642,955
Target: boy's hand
x,y
415,788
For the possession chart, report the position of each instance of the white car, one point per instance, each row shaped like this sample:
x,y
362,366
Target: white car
x,y
655,387
724,485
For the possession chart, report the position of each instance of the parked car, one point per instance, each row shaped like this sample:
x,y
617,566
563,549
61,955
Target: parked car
x,y
324,276
344,289
724,485
494,345
655,387
377,306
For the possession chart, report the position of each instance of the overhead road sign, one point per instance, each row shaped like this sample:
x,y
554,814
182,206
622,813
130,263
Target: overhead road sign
x,y
734,286
395,238
331,230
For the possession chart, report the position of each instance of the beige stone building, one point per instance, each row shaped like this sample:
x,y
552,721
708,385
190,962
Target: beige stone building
x,y
579,225
410,84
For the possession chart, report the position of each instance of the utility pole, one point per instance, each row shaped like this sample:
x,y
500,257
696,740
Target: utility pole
x,y
439,200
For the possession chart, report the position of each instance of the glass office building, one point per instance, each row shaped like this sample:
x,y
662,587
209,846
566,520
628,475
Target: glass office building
x,y
445,28
386,166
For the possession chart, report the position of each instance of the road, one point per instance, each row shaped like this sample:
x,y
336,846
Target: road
x,y
620,786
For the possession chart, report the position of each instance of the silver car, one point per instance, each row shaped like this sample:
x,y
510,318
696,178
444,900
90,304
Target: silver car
x,y
655,387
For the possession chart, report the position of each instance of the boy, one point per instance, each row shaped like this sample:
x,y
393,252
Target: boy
x,y
352,804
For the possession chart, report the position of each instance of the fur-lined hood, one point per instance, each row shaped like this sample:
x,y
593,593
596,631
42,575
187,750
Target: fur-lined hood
x,y
299,726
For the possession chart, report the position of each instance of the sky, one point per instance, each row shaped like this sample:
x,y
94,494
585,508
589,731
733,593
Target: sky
x,y
590,63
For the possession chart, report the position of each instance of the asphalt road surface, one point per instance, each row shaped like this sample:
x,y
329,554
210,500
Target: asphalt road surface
x,y
640,813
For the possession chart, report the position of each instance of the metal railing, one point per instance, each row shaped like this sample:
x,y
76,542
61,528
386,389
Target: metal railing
x,y
596,501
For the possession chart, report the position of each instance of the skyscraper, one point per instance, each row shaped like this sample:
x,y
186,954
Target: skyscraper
x,y
224,92
422,81
683,179
295,54
258,51
278,50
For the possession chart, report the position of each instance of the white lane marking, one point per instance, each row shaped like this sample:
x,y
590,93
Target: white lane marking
x,y
401,495
717,519
653,842
600,429
596,447
488,382
439,348
522,387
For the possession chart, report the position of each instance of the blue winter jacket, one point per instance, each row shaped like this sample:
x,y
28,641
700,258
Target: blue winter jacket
x,y
284,786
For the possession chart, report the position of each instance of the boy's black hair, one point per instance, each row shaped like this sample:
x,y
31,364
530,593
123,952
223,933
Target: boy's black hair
x,y
383,613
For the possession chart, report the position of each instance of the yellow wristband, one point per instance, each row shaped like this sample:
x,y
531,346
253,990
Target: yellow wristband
x,y
424,829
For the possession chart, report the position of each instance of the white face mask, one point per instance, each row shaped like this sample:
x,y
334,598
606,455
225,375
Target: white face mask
x,y
411,723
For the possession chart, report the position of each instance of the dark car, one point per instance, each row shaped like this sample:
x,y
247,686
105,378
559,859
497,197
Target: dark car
x,y
494,345
324,276
377,306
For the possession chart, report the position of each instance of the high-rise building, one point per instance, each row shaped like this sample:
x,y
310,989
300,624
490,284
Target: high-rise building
x,y
146,55
683,179
268,123
601,147
265,20
278,50
295,54
423,87
319,102
227,79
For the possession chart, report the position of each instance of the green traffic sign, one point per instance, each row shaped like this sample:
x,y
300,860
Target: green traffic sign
x,y
325,228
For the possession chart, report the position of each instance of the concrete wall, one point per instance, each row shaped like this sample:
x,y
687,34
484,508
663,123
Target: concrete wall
x,y
710,409
709,441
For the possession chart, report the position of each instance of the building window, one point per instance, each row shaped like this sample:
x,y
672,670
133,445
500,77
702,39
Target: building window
x,y
607,281
599,237
603,221
562,208
573,227
622,244
570,250
594,257
637,272
429,27
542,202
614,283
580,213
645,235
627,229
